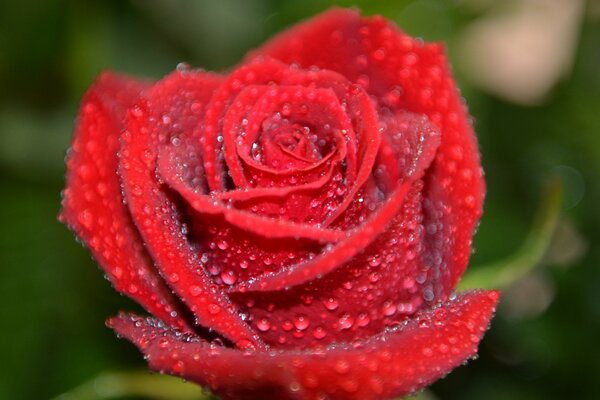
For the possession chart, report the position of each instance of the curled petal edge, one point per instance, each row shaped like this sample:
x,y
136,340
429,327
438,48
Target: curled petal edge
x,y
396,362
92,206
356,239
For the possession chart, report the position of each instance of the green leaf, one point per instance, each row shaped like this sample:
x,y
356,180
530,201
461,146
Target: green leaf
x,y
502,274
422,395
139,384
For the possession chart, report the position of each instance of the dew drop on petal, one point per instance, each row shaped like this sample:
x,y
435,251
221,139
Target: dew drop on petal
x,y
195,291
228,277
331,303
375,261
301,322
263,324
346,321
214,309
319,333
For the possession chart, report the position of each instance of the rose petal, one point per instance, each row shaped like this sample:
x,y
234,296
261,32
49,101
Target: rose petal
x,y
404,74
257,73
322,108
332,257
264,226
253,194
387,281
244,92
383,284
357,238
92,205
327,79
366,126
396,362
172,108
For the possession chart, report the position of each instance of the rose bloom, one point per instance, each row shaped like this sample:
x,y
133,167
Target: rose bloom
x,y
296,227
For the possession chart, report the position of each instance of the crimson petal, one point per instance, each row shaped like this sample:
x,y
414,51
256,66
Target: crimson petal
x,y
396,362
357,238
257,73
265,226
403,74
92,205
178,102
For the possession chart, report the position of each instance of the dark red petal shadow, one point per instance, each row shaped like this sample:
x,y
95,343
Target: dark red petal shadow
x,y
92,201
167,113
397,362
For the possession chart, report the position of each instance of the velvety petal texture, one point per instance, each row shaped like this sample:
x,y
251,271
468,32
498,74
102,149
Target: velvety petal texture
x,y
395,362
296,227
92,202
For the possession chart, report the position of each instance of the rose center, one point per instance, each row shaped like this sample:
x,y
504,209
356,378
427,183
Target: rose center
x,y
291,129
284,144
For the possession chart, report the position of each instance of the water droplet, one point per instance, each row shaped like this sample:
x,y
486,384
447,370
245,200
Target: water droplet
x,y
341,366
228,277
183,67
263,324
319,333
363,320
287,326
195,291
214,309
361,61
86,218
378,54
346,321
286,110
375,261
389,309
118,272
301,322
470,201
331,303
137,112
374,277
428,294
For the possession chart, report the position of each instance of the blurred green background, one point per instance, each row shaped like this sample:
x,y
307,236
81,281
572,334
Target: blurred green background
x,y
529,69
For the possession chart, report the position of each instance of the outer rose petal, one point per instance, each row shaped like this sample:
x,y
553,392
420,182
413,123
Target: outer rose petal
x,y
403,74
178,102
92,202
397,362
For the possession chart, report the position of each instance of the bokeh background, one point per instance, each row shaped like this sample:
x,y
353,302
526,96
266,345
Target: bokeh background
x,y
529,69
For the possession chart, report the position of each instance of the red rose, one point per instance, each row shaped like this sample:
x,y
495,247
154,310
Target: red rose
x,y
296,227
